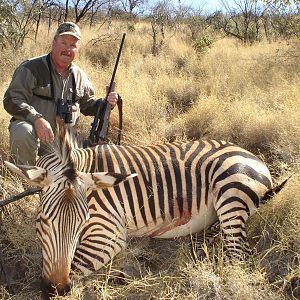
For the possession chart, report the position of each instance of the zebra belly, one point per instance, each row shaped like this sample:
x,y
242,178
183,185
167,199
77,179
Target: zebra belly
x,y
196,223
177,227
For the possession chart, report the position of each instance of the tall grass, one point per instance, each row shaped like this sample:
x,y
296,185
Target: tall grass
x,y
248,95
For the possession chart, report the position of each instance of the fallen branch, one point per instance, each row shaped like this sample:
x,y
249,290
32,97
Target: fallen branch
x,y
14,198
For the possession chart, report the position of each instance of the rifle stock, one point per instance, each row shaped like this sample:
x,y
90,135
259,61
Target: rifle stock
x,y
100,124
91,138
102,132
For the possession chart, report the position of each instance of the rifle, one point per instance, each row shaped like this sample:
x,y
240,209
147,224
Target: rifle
x,y
100,123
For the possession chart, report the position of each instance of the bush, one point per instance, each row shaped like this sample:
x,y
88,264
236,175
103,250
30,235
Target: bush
x,y
202,44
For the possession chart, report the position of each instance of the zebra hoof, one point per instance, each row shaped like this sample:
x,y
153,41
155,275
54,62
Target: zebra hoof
x,y
127,272
199,254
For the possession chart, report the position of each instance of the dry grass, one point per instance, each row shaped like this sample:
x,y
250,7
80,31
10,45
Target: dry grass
x,y
247,95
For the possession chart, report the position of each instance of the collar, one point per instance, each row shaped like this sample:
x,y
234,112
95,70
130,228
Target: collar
x,y
68,71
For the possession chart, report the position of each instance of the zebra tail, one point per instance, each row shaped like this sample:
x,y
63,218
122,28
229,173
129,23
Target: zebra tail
x,y
273,191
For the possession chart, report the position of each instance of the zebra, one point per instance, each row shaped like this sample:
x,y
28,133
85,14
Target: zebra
x,y
94,198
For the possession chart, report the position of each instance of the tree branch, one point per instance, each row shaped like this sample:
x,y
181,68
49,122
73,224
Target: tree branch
x,y
14,198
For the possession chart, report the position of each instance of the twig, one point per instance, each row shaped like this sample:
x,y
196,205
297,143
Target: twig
x,y
14,198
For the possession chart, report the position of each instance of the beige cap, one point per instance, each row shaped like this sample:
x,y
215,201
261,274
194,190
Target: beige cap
x,y
68,28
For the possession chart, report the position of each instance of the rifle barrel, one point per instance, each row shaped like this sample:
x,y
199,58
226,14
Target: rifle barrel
x,y
116,65
100,123
102,127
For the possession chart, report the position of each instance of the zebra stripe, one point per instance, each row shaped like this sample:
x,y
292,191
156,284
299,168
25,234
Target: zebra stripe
x,y
170,179
169,187
181,188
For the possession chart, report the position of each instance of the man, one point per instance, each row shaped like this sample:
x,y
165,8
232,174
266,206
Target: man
x,y
44,88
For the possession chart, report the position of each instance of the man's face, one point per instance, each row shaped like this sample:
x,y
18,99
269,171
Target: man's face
x,y
64,50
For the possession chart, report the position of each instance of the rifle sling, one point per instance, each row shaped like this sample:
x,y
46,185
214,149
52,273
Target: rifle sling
x,y
120,109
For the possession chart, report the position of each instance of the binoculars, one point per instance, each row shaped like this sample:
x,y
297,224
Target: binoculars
x,y
64,110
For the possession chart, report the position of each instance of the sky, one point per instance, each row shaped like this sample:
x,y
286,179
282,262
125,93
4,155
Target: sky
x,y
207,5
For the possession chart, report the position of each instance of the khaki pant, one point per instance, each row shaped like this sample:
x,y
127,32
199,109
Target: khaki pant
x,y
25,147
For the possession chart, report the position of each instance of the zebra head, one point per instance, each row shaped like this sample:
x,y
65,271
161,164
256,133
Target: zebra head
x,y
64,209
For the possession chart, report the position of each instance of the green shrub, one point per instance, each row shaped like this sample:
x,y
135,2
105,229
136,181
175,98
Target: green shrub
x,y
202,44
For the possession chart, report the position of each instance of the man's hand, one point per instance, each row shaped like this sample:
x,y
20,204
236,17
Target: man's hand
x,y
43,130
112,99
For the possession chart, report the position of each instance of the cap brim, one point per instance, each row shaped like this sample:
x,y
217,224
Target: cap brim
x,y
71,33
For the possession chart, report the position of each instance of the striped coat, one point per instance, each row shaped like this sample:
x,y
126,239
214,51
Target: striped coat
x,y
91,203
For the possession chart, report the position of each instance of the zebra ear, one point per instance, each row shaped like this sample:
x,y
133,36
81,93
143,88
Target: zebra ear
x,y
36,176
103,180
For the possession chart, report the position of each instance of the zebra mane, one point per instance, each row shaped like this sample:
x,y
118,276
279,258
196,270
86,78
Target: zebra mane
x,y
65,142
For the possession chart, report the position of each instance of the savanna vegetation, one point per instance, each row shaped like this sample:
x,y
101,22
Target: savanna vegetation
x,y
182,80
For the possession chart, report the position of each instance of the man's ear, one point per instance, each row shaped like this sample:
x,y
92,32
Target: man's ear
x,y
35,176
102,180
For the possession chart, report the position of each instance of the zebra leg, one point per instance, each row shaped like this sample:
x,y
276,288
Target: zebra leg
x,y
233,208
101,239
205,238
235,237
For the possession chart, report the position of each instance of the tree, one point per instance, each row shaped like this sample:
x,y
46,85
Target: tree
x,y
284,18
83,8
41,8
197,23
133,7
161,16
243,19
17,18
281,3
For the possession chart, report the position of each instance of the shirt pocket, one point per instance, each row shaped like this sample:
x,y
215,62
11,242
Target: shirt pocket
x,y
43,91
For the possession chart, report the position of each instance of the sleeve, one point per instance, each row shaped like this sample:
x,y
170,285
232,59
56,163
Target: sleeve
x,y
17,97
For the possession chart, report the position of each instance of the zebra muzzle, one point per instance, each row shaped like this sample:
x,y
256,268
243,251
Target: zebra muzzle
x,y
50,290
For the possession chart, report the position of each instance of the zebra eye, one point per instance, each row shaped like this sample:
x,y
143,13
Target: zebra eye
x,y
43,221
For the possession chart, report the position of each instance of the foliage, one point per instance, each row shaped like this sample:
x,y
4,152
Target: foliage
x,y
196,24
282,2
133,7
16,21
161,18
202,44
247,20
284,21
130,27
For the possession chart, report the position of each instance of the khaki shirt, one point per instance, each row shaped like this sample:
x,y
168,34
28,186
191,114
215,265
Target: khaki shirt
x,y
29,94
